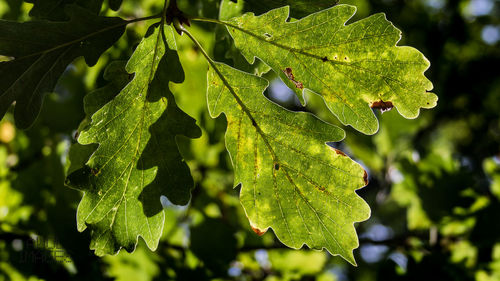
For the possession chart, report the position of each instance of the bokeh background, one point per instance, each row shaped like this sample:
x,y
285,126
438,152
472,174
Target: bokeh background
x,y
434,181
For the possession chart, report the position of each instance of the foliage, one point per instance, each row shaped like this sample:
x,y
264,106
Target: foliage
x,y
118,124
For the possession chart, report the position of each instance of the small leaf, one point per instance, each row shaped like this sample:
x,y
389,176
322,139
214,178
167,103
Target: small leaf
x,y
137,160
41,52
292,181
353,67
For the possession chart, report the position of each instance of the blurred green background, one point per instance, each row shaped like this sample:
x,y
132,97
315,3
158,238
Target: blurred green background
x,y
434,181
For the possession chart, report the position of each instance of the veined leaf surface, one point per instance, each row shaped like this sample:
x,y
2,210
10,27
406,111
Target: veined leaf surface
x,y
137,160
353,67
292,181
42,50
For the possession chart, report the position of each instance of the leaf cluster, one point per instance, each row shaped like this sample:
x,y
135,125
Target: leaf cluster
x,y
128,156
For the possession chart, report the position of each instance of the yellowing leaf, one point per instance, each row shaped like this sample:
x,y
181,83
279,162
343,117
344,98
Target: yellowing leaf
x,y
292,181
353,67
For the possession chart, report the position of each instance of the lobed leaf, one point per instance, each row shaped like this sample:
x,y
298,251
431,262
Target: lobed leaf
x,y
41,52
353,67
292,181
137,160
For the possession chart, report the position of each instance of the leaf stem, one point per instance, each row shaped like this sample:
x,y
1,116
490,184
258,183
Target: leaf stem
x,y
208,20
143,18
205,54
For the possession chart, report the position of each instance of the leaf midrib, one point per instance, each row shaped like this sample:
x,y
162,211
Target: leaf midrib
x,y
274,158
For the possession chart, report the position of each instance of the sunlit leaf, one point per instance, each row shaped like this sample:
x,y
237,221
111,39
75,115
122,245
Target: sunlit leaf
x,y
292,181
353,67
137,159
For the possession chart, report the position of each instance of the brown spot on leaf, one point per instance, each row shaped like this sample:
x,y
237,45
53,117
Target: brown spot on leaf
x,y
339,152
289,74
258,231
324,59
365,177
276,166
382,105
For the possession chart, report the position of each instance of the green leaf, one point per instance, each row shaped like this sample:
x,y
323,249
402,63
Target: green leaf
x,y
41,52
118,77
291,179
137,160
353,67
225,50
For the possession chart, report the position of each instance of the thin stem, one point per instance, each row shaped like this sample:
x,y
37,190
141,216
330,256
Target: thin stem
x,y
143,19
208,20
205,54
163,19
164,12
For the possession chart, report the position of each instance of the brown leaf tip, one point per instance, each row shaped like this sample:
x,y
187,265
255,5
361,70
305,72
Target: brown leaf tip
x,y
382,105
289,74
365,177
258,231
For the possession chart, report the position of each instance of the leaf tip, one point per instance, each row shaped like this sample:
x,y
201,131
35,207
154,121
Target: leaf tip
x,y
257,230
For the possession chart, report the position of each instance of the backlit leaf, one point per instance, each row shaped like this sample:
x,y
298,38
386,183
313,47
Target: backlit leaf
x,y
42,50
292,181
137,160
353,67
